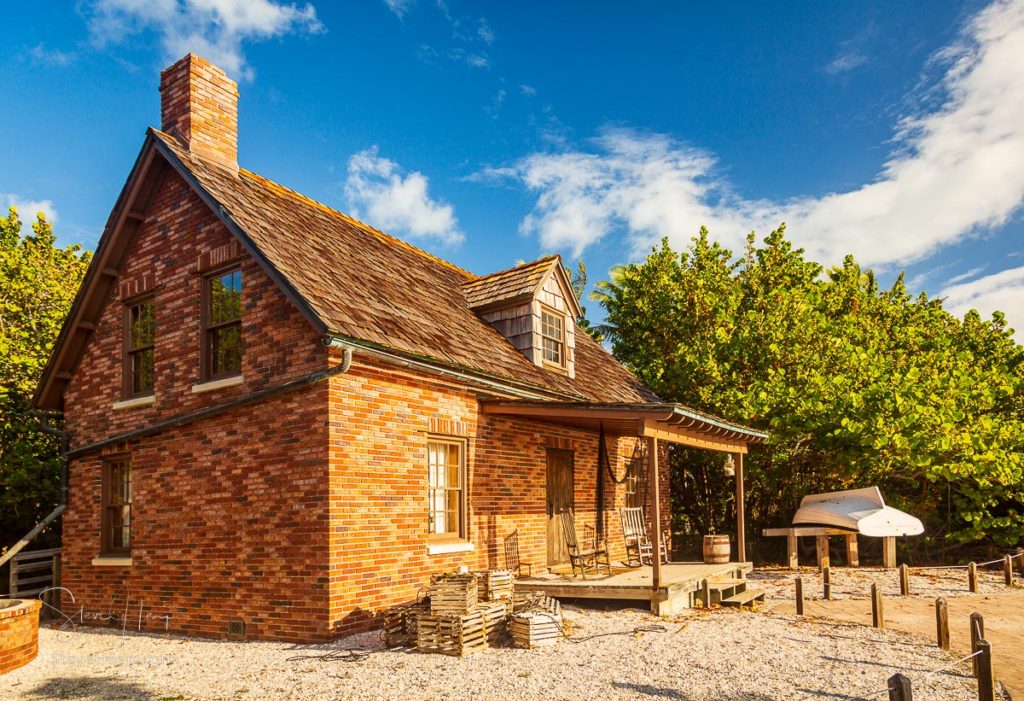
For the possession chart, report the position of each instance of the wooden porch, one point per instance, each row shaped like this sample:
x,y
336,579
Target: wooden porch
x,y
680,585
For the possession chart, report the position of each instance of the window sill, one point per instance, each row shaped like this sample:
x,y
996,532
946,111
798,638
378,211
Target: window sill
x,y
112,561
442,547
217,384
135,402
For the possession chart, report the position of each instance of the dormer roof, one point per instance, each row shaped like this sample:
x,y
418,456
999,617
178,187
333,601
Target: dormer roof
x,y
522,282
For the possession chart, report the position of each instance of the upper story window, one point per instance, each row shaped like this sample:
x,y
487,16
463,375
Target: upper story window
x,y
117,507
140,333
552,329
222,324
446,478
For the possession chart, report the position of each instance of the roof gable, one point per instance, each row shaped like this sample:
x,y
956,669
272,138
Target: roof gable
x,y
348,279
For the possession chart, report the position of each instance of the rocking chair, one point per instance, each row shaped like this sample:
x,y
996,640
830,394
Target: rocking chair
x,y
638,543
512,562
591,557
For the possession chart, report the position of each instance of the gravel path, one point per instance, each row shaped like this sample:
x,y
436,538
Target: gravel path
x,y
725,654
848,583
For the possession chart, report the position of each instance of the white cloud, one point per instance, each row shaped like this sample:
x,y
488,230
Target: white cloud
x,y
485,32
953,172
51,57
497,100
473,59
527,90
378,193
399,7
845,62
964,276
214,29
27,209
1002,291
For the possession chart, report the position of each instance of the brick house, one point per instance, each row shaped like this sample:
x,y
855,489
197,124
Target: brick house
x,y
281,417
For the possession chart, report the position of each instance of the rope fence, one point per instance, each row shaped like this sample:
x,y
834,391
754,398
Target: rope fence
x,y
964,567
863,693
900,687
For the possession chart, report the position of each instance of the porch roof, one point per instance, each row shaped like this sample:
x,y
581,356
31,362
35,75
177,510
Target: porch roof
x,y
674,423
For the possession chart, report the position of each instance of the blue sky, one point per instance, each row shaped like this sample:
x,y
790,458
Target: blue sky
x,y
490,133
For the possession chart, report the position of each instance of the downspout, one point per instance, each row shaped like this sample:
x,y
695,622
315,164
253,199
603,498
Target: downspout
x,y
207,412
65,452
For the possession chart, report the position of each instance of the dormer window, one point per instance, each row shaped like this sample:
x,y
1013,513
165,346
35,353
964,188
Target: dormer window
x,y
534,306
552,327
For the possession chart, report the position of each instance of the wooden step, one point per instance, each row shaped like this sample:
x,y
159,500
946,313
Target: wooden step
x,y
742,599
720,584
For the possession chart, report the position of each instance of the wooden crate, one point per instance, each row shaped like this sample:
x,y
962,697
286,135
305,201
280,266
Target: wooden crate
x,y
535,629
461,635
535,601
400,623
494,584
453,594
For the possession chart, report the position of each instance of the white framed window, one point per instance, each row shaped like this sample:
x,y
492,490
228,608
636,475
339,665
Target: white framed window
x,y
552,331
446,493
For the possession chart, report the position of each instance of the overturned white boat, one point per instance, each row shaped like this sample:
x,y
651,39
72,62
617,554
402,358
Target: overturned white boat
x,y
858,511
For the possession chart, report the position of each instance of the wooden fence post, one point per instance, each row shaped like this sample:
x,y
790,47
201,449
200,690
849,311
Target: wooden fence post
x,y
972,577
1020,561
900,688
889,552
904,580
877,615
977,633
1008,571
826,578
986,681
942,623
705,589
821,546
799,596
852,558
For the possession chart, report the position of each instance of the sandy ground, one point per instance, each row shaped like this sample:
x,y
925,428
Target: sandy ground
x,y
1002,608
722,655
1004,625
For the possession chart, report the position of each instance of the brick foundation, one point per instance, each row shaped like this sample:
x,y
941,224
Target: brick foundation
x,y
19,634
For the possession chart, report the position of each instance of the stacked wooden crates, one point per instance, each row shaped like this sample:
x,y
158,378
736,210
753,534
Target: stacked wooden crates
x,y
536,621
458,622
495,585
400,623
467,612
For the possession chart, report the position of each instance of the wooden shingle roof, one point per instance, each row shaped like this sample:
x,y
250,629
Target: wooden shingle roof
x,y
506,285
357,282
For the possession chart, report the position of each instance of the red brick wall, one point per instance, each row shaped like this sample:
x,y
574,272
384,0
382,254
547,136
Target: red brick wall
x,y
380,422
229,513
303,515
19,634
181,234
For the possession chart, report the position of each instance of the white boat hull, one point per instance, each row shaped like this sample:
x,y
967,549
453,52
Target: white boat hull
x,y
858,511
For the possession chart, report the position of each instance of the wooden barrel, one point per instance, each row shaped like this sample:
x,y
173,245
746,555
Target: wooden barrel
x,y
716,549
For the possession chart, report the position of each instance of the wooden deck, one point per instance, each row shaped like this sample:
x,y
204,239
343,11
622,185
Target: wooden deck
x,y
680,584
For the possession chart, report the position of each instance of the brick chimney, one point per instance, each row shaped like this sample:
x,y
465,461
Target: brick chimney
x,y
199,105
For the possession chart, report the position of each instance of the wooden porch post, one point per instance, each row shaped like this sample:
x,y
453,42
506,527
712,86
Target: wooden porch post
x,y
741,525
653,479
